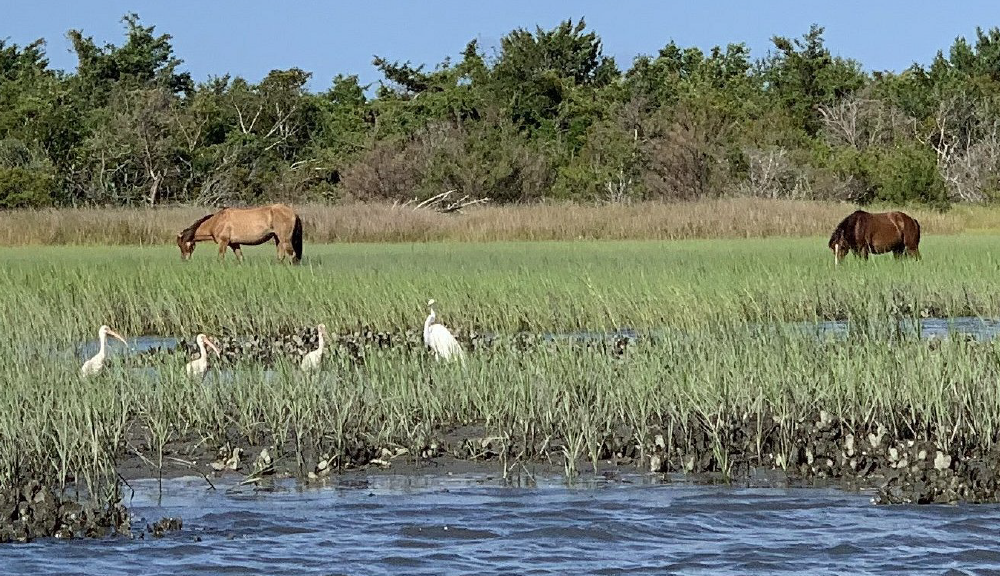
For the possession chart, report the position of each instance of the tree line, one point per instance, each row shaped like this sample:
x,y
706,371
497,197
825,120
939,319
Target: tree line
x,y
546,115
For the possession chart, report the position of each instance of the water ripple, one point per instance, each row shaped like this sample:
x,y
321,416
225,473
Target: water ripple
x,y
467,526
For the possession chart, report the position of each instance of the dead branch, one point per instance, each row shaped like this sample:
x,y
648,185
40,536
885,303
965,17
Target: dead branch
x,y
441,203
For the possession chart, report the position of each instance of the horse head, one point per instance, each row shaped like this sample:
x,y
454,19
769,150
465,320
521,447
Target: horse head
x,y
186,246
845,235
839,244
186,237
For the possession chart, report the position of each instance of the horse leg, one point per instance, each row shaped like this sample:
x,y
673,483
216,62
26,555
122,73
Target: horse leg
x,y
237,251
277,244
913,253
223,244
284,249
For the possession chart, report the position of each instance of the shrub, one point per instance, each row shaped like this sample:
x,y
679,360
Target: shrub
x,y
903,174
26,188
909,173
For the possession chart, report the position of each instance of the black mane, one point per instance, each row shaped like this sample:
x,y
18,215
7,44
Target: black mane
x,y
187,234
845,230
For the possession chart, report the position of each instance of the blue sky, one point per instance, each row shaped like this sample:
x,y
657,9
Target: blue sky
x,y
251,37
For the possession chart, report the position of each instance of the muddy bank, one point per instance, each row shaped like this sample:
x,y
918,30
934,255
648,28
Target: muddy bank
x,y
33,510
356,345
911,462
904,461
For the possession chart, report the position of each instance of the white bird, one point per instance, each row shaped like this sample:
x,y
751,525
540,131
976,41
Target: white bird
x,y
199,366
94,366
439,339
312,360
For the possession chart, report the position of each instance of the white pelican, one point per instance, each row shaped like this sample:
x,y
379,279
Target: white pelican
x,y
94,366
199,366
439,339
312,360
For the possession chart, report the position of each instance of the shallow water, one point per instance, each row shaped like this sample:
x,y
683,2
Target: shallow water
x,y
472,525
136,344
979,328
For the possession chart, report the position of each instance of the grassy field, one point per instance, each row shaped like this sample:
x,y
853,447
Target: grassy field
x,y
715,365
722,218
500,287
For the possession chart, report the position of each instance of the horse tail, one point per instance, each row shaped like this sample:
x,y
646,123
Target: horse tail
x,y
297,240
911,236
911,231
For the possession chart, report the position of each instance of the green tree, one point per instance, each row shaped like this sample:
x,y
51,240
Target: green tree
x,y
804,75
536,75
144,60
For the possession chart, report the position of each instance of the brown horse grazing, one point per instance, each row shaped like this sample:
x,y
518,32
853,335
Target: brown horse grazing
x,y
233,227
865,233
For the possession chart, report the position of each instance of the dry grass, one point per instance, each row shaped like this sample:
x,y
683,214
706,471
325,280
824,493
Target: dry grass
x,y
731,218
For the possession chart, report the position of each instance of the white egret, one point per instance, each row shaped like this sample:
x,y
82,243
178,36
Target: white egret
x,y
199,366
312,360
439,339
94,366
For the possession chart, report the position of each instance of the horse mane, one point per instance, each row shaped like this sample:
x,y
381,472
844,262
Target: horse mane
x,y
187,234
845,230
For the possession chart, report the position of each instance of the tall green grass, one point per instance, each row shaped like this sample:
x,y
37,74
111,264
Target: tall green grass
x,y
558,400
711,363
67,292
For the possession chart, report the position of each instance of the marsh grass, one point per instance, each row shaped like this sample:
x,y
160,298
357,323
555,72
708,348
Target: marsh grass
x,y
556,397
721,354
64,293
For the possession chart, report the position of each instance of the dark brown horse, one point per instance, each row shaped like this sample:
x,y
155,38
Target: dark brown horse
x,y
865,233
233,227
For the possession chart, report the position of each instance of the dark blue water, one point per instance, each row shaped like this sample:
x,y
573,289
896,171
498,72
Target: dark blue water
x,y
444,525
